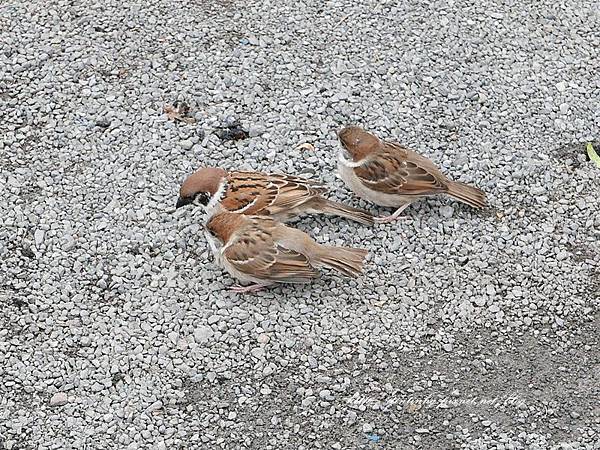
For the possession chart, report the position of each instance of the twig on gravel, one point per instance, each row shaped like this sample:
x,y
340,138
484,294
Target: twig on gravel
x,y
342,20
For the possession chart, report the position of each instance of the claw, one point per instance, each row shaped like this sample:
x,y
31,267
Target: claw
x,y
395,216
245,289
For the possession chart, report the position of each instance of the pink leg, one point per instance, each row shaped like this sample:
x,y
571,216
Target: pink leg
x,y
245,289
395,216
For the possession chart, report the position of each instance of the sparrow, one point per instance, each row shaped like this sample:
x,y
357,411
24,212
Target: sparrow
x,y
388,174
282,197
262,251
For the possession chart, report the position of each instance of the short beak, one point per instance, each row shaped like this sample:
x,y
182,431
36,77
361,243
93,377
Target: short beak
x,y
182,201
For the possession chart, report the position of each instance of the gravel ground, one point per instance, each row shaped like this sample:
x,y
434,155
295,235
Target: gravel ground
x,y
469,330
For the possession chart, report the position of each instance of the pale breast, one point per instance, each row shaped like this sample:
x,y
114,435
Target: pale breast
x,y
356,185
215,247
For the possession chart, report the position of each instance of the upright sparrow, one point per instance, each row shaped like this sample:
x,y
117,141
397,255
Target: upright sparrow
x,y
388,174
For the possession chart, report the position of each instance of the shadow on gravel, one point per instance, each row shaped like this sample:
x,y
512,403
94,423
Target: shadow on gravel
x,y
502,386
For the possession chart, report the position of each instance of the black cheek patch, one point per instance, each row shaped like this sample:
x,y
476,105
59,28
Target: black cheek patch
x,y
203,198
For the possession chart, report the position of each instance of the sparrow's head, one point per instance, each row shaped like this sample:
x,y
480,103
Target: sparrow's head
x,y
201,186
224,224
358,142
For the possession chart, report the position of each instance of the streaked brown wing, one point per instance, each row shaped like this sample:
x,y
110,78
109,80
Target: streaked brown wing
x,y
264,194
255,253
396,170
300,181
248,193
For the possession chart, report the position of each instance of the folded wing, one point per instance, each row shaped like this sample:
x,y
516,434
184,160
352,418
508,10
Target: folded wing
x,y
254,252
396,170
260,193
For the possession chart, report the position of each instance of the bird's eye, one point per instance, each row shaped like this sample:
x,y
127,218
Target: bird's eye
x,y
202,198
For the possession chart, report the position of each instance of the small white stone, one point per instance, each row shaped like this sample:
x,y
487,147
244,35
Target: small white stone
x,y
186,144
59,399
69,243
495,15
203,334
39,237
263,338
255,130
446,211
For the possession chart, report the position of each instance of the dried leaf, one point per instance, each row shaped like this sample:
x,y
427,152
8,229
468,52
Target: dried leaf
x,y
179,112
592,154
171,112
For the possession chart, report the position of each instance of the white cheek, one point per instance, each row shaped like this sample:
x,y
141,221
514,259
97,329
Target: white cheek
x,y
214,245
215,199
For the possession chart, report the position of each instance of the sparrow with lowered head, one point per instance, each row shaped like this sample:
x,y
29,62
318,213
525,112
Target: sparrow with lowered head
x,y
388,174
282,197
262,251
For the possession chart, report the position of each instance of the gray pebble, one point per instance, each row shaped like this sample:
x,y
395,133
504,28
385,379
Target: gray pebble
x,y
59,399
111,301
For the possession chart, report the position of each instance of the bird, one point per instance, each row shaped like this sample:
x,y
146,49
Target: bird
x,y
263,251
388,174
283,197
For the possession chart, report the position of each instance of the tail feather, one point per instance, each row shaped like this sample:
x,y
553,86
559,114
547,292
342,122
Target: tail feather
x,y
348,261
467,194
339,209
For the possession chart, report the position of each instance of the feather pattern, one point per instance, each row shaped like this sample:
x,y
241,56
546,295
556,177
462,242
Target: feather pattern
x,y
395,170
280,196
389,174
268,194
260,250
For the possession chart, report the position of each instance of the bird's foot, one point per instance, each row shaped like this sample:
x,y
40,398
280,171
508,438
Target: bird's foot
x,y
245,289
393,217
